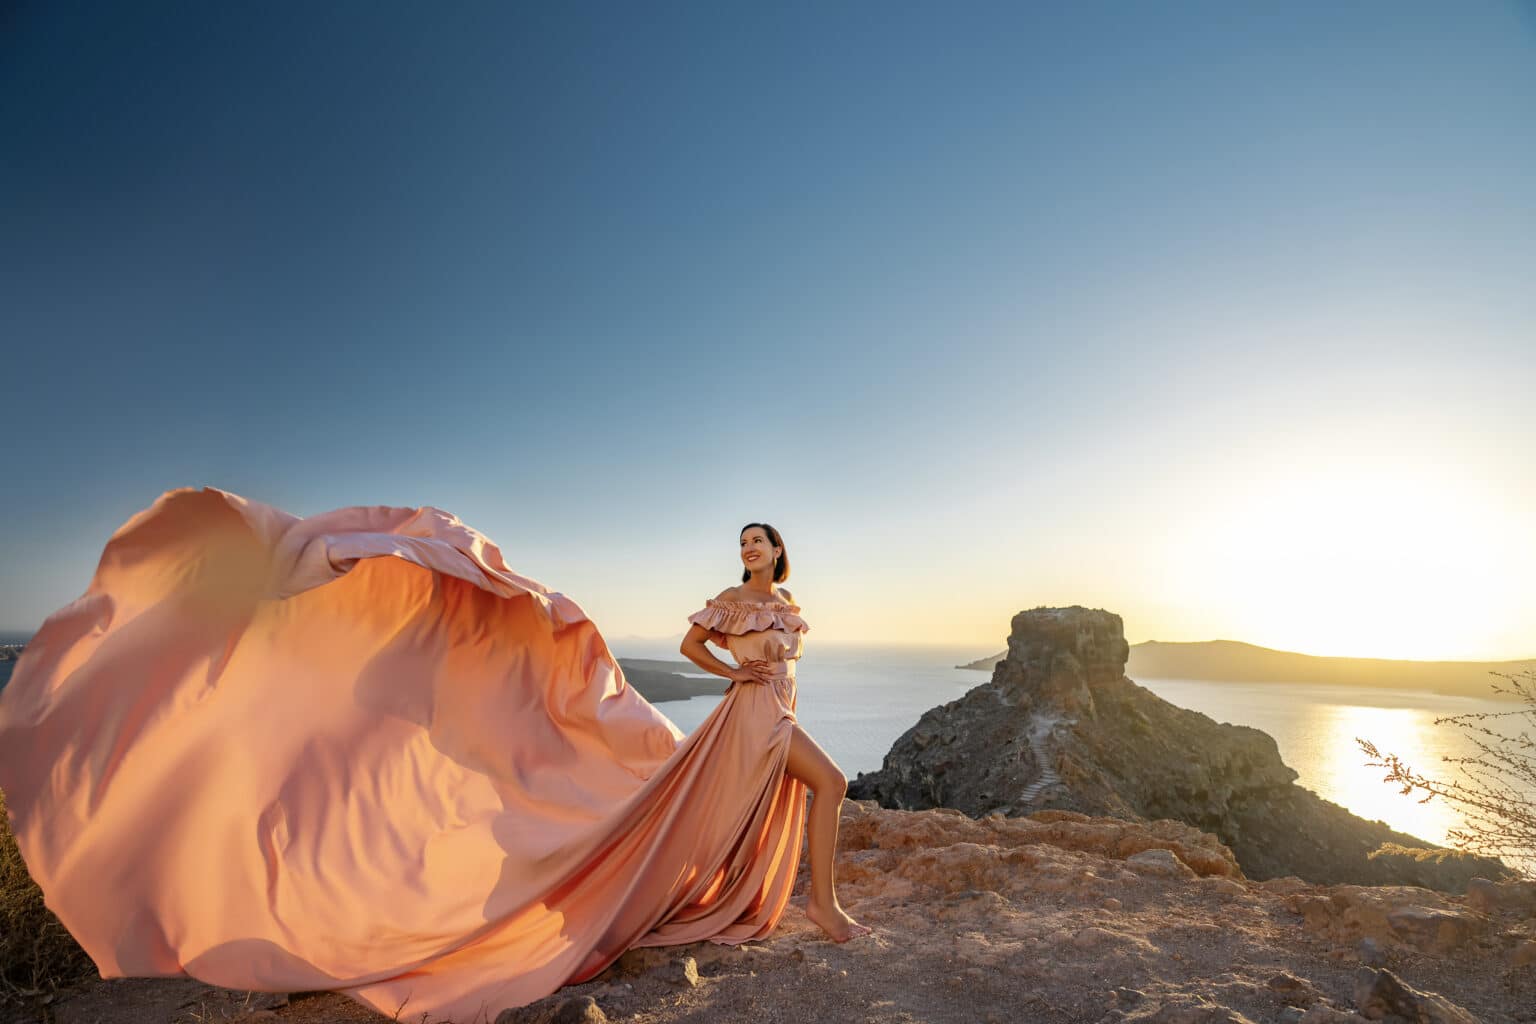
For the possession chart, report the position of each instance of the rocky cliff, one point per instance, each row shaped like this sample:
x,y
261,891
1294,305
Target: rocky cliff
x,y
1059,725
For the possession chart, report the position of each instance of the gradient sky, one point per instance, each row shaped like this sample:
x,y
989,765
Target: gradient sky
x,y
1219,316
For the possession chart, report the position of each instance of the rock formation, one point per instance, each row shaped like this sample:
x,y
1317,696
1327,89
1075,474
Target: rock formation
x,y
1060,726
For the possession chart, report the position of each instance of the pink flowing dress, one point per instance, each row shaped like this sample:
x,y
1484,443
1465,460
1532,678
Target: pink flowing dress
x,y
357,752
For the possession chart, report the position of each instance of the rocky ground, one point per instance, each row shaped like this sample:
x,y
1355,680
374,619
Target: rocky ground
x,y
1054,917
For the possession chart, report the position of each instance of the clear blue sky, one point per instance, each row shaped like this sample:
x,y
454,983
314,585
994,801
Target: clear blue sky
x,y
1220,316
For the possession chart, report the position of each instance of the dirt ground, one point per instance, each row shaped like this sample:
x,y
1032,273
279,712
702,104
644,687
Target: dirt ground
x,y
1053,918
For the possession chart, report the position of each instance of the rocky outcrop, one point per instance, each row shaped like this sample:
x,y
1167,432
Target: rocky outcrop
x,y
10,652
1055,916
1060,726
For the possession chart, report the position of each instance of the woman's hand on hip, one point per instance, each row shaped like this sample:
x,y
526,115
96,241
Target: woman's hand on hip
x,y
753,670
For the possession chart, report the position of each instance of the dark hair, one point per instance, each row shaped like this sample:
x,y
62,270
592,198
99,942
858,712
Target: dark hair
x,y
780,564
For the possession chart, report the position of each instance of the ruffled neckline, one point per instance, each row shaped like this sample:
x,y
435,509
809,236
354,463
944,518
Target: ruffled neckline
x,y
737,617
732,604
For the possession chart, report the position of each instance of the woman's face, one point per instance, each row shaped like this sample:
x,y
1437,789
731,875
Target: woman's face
x,y
756,551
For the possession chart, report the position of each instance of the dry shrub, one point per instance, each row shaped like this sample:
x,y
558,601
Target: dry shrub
x,y
1419,854
37,954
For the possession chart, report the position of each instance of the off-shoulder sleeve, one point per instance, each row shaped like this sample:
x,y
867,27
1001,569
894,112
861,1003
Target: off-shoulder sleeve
x,y
738,617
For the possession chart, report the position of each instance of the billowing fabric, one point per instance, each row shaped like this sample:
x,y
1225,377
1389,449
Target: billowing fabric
x,y
356,751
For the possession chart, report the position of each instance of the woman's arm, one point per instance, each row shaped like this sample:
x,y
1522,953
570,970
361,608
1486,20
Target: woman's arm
x,y
692,648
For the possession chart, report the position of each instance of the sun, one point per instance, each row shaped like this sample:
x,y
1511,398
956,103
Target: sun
x,y
1350,557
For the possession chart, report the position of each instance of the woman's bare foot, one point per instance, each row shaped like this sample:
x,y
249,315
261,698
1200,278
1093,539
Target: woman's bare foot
x,y
835,922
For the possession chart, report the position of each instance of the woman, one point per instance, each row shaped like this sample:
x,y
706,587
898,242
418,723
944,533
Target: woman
x,y
358,752
747,621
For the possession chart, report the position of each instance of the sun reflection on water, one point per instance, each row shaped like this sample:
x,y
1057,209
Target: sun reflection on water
x,y
1343,776
1315,728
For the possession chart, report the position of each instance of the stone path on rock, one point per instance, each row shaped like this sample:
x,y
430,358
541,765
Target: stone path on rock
x,y
1039,742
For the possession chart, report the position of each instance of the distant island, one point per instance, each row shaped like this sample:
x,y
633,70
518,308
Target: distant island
x,y
1231,661
660,681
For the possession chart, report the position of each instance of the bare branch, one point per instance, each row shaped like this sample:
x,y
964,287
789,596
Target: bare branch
x,y
1496,792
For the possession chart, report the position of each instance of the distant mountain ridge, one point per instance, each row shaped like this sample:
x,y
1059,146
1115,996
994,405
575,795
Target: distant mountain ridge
x,y
1232,661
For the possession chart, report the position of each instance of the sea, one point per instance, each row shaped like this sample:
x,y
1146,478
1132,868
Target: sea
x,y
856,700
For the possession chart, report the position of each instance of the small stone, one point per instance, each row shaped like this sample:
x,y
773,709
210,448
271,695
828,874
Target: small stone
x,y
1225,886
1434,929
1195,1010
1087,938
1285,981
1490,897
1321,1014
1370,952
1380,994
1292,991
1110,903
579,1010
1483,895
575,1010
1159,863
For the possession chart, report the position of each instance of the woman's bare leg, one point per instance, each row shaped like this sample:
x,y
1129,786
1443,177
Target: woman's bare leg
x,y
812,765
